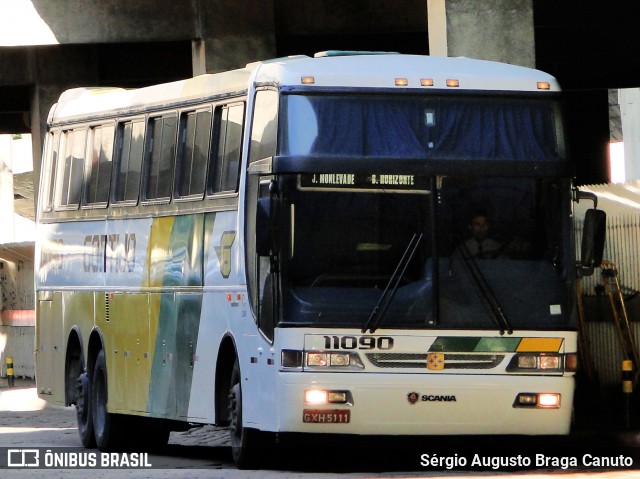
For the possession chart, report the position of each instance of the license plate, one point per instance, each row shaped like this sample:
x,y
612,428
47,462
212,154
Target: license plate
x,y
326,416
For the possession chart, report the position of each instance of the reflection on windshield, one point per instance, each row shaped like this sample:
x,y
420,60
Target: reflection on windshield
x,y
345,246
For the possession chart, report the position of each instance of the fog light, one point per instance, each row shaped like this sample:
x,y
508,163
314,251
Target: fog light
x,y
538,400
315,396
549,400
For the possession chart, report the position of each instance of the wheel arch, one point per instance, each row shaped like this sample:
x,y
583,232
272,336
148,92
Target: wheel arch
x,y
227,355
96,344
74,364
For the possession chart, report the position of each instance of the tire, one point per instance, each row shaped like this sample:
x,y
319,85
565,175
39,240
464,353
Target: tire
x,y
83,411
107,427
243,440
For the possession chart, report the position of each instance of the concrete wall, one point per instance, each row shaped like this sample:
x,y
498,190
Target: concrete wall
x,y
17,342
498,30
17,316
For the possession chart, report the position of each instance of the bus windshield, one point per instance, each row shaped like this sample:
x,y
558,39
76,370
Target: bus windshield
x,y
425,126
469,253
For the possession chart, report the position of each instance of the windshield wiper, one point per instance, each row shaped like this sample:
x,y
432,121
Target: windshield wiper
x,y
490,299
381,307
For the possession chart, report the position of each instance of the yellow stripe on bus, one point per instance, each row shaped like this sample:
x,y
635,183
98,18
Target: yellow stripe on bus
x,y
539,345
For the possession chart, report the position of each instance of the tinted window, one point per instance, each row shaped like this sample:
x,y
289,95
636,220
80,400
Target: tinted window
x,y
69,183
99,161
224,172
49,176
129,158
160,157
195,135
265,124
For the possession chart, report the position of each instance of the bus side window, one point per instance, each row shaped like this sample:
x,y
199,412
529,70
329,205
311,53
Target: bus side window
x,y
49,176
130,145
225,167
193,151
70,169
160,157
98,165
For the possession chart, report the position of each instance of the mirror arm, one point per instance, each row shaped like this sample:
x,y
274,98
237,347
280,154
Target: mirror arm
x,y
585,195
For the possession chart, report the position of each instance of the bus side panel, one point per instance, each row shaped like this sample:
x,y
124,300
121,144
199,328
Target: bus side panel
x,y
175,261
48,350
223,304
70,261
126,333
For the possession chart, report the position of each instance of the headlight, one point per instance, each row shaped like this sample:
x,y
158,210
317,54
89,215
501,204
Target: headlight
x,y
295,359
537,362
321,359
317,359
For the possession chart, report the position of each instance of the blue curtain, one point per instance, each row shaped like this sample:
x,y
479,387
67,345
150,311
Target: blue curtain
x,y
462,128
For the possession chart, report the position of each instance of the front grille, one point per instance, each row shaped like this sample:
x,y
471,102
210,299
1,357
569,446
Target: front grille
x,y
419,360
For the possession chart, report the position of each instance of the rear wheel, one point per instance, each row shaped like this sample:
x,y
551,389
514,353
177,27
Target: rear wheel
x,y
107,426
83,411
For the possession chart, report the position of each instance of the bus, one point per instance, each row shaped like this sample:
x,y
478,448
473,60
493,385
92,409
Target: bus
x,y
281,249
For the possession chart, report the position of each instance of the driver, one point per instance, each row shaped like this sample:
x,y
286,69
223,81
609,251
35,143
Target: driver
x,y
480,245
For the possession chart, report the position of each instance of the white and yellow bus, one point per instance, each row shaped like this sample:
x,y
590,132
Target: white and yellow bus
x,y
281,249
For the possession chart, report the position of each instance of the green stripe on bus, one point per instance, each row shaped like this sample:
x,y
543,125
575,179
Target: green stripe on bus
x,y
464,344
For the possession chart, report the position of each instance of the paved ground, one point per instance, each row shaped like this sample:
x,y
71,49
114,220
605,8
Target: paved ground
x,y
26,421
20,414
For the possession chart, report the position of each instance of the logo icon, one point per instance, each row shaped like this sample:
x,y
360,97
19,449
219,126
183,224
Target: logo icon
x,y
413,397
224,252
435,361
23,458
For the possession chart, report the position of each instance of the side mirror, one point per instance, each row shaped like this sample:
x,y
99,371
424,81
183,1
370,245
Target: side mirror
x,y
263,226
593,238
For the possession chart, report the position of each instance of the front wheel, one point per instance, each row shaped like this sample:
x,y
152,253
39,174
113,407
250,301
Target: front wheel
x,y
243,440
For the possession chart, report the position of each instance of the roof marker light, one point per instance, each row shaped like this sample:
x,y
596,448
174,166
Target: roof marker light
x,y
426,81
307,80
401,82
544,85
452,83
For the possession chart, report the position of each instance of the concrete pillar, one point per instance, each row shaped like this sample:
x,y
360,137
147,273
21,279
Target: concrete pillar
x,y
498,30
42,99
7,230
629,99
236,32
198,57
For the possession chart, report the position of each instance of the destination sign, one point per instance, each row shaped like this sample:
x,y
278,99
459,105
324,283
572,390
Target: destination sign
x,y
354,181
